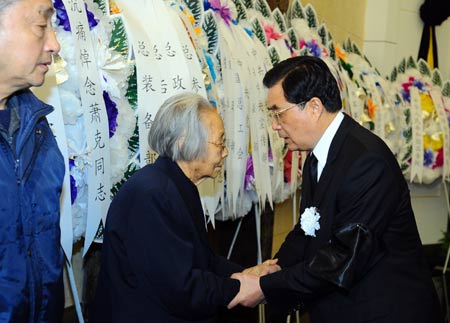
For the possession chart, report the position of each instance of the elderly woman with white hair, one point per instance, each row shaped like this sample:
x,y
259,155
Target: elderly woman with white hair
x,y
157,265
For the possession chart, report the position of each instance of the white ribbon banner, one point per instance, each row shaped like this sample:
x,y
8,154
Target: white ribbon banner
x,y
417,136
95,120
49,93
437,98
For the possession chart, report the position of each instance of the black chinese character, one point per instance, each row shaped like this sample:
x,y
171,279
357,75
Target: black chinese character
x,y
147,81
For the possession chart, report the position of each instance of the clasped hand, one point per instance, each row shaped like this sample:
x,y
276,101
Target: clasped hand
x,y
250,293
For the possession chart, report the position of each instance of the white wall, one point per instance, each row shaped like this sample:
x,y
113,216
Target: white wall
x,y
393,30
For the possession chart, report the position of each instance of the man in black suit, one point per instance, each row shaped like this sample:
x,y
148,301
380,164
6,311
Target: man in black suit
x,y
355,255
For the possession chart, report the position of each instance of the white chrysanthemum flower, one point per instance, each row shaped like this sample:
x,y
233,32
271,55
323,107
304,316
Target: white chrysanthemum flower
x,y
309,221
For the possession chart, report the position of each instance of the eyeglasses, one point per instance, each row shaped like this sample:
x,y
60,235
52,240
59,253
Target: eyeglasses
x,y
277,114
222,144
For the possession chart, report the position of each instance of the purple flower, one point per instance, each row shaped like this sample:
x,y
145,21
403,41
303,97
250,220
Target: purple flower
x,y
405,95
73,183
428,157
419,84
63,19
249,174
112,113
312,46
223,11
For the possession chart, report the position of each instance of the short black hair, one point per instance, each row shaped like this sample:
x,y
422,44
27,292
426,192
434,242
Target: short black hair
x,y
305,77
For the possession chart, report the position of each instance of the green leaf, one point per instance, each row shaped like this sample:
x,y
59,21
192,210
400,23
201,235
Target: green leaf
x,y
411,63
330,38
368,62
133,142
424,69
347,67
119,38
332,50
131,94
263,7
102,6
296,11
210,28
402,66
446,89
273,54
303,52
293,38
356,50
248,4
241,11
311,16
348,45
436,77
279,19
407,114
394,74
196,9
323,34
258,30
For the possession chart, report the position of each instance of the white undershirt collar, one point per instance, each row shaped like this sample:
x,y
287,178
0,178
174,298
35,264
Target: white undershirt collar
x,y
323,146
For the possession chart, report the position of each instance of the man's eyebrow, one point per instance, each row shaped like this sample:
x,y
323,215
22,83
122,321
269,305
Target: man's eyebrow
x,y
272,107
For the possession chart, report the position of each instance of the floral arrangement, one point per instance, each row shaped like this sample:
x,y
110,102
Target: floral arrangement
x,y
114,73
432,136
376,110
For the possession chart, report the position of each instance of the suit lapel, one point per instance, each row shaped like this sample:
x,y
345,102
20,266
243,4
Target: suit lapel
x,y
330,166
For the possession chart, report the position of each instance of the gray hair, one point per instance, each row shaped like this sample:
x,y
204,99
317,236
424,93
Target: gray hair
x,y
180,118
5,4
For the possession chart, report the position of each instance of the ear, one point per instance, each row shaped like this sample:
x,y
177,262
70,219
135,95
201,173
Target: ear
x,y
316,107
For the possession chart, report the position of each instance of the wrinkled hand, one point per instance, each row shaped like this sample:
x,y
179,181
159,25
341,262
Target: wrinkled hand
x,y
250,293
267,267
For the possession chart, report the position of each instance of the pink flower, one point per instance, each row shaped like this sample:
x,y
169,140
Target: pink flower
x,y
439,159
271,33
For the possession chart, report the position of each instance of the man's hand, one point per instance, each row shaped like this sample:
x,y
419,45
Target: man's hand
x,y
267,267
250,293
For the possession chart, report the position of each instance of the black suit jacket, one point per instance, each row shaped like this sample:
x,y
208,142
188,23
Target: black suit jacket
x,y
366,262
157,265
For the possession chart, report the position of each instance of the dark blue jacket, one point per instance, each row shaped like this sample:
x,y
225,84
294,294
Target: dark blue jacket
x,y
157,264
31,258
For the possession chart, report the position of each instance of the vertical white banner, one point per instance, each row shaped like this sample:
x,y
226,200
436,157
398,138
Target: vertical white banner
x,y
49,93
95,120
236,123
166,62
444,126
417,136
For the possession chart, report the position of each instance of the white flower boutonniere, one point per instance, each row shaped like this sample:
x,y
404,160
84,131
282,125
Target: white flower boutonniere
x,y
309,221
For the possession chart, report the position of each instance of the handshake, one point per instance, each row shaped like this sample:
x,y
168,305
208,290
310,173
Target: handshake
x,y
250,293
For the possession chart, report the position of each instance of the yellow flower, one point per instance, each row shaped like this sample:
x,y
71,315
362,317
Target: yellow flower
x,y
437,141
434,142
427,103
426,141
113,8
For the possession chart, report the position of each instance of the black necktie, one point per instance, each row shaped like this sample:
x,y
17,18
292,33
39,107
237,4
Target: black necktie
x,y
313,172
